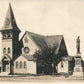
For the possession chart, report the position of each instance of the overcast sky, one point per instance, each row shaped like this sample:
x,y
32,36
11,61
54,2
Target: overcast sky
x,y
49,17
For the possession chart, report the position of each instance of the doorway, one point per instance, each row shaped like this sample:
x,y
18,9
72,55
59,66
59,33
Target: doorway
x,y
6,66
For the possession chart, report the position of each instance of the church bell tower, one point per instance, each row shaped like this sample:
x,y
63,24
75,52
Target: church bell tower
x,y
10,35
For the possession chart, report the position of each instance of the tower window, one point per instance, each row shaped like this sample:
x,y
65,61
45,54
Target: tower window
x,y
20,64
4,50
25,66
9,35
4,36
16,64
8,50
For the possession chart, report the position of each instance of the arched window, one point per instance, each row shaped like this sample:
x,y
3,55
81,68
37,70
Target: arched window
x,y
9,35
25,66
8,50
4,36
4,50
20,64
62,64
16,64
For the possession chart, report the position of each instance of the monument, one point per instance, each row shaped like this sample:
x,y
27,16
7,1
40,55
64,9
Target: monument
x,y
78,69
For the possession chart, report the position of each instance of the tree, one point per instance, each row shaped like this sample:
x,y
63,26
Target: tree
x,y
41,59
48,58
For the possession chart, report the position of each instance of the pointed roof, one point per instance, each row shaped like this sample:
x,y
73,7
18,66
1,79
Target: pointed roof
x,y
27,57
10,22
54,41
6,56
45,41
38,39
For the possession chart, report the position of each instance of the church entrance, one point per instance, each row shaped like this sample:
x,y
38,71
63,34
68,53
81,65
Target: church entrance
x,y
6,66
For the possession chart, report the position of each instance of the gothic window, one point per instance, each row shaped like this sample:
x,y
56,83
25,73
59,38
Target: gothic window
x,y
4,50
62,64
26,39
16,64
20,64
9,35
8,50
25,66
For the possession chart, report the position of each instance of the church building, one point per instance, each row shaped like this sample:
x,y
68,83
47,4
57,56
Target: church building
x,y
17,55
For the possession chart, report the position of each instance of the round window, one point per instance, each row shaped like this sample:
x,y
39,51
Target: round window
x,y
26,50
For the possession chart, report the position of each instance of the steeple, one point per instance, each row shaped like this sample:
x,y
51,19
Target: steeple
x,y
10,23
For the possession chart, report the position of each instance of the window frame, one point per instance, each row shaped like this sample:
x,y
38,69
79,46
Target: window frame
x,y
9,50
62,64
4,36
25,65
20,64
17,64
4,50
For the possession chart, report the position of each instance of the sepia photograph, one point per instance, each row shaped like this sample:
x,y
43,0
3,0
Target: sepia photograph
x,y
41,40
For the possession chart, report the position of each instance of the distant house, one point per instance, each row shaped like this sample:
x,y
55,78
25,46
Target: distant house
x,y
17,56
66,66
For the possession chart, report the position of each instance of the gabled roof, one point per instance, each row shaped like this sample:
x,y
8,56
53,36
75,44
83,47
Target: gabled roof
x,y
10,22
39,40
45,41
27,57
54,41
6,56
